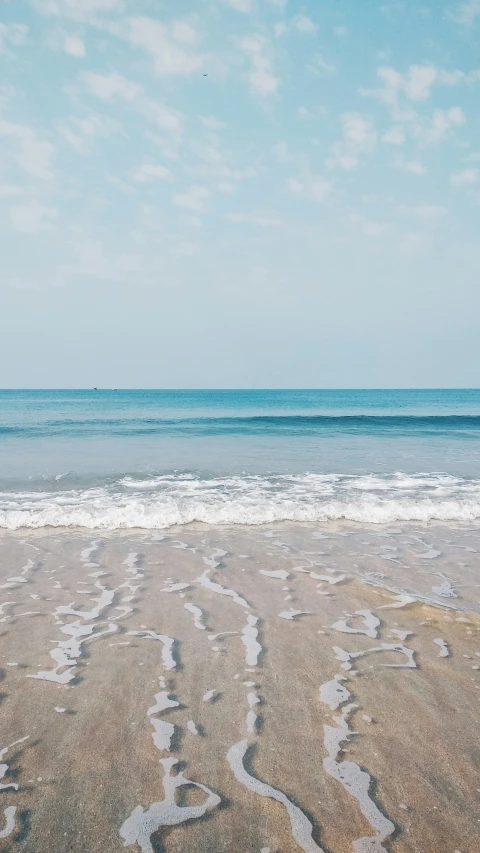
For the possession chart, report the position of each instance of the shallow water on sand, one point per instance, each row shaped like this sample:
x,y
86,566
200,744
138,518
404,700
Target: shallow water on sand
x,y
282,688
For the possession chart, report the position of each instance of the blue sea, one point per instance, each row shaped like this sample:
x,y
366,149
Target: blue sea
x,y
112,459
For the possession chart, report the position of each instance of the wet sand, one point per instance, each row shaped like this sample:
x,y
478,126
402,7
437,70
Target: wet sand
x,y
244,689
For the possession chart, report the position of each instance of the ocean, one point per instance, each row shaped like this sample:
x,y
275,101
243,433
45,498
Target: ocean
x,y
111,459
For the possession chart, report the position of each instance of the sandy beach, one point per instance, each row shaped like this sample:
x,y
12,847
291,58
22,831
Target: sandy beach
x,y
243,689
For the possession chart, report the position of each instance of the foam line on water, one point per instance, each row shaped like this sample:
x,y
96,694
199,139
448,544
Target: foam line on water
x,y
333,693
444,650
141,825
197,614
175,587
281,574
371,623
212,559
104,600
167,646
346,657
249,640
251,718
292,614
357,783
5,767
9,814
68,651
206,582
301,827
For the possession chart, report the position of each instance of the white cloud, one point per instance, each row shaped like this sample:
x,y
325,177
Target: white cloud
x,y
33,217
279,29
261,78
281,151
33,155
74,46
368,227
315,188
439,126
12,191
213,166
321,64
394,136
212,123
423,211
466,13
240,5
81,132
77,10
305,25
164,44
359,140
195,198
258,217
184,32
416,84
466,177
108,87
413,167
12,35
150,172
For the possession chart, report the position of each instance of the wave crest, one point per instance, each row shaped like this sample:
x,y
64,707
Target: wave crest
x,y
162,501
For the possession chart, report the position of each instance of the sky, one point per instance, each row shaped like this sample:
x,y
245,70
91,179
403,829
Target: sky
x,y
239,193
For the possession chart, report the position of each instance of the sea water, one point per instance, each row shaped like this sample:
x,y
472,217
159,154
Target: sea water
x,y
124,459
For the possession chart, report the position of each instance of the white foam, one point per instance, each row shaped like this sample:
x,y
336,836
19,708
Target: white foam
x,y
444,650
281,574
163,732
163,702
4,767
371,623
167,646
192,727
104,600
67,651
291,614
445,590
346,657
161,502
357,783
301,827
175,587
205,581
399,601
197,613
141,825
333,693
212,559
249,640
9,813
208,695
251,717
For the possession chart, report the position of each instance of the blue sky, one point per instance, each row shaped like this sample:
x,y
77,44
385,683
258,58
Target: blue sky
x,y
305,215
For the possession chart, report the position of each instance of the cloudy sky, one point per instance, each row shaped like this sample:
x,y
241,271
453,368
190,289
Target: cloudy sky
x,y
254,193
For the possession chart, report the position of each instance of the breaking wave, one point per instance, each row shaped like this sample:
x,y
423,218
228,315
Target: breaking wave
x,y
162,501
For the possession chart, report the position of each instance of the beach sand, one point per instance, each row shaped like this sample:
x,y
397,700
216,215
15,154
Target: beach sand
x,y
320,689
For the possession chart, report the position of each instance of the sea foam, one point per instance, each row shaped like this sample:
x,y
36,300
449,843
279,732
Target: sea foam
x,y
160,502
